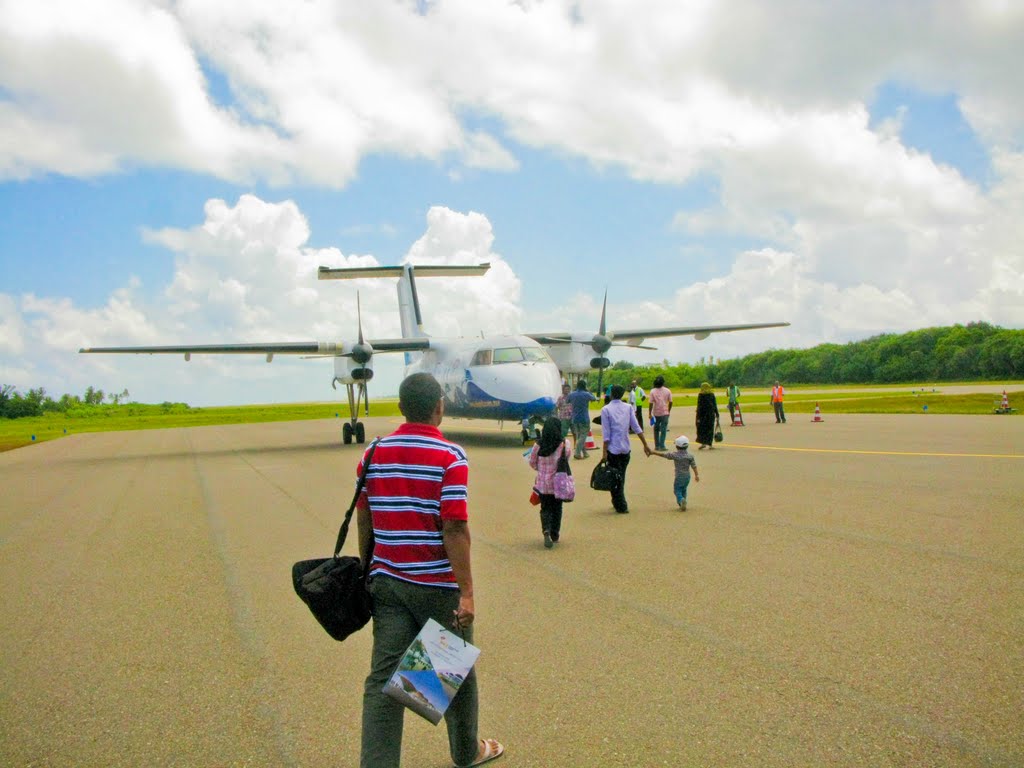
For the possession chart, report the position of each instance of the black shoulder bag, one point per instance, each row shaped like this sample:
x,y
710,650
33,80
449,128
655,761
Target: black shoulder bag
x,y
605,477
334,587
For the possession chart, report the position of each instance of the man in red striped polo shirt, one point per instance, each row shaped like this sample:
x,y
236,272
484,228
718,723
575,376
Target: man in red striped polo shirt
x,y
414,532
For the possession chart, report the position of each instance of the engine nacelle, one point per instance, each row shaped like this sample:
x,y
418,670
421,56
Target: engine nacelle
x,y
572,358
348,371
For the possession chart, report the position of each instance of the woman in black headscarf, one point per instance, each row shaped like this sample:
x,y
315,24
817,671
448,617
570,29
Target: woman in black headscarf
x,y
544,458
707,417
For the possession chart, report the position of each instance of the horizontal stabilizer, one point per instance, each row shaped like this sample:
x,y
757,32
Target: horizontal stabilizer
x,y
427,270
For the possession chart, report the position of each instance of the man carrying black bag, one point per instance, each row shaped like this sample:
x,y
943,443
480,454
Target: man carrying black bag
x,y
618,420
413,531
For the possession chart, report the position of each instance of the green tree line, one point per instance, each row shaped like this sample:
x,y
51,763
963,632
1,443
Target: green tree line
x,y
36,402
976,351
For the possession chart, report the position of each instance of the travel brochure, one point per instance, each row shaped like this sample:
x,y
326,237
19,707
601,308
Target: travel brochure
x,y
432,671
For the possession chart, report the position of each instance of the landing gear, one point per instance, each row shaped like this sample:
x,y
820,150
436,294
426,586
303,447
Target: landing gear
x,y
530,424
355,428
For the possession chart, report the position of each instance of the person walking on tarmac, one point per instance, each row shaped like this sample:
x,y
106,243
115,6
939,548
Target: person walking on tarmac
x,y
636,398
658,408
618,419
707,417
778,394
563,410
733,393
580,401
413,523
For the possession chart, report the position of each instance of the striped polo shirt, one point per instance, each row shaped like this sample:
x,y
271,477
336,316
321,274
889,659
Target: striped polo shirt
x,y
416,481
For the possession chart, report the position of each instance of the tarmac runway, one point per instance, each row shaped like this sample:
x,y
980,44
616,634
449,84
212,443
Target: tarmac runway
x,y
849,593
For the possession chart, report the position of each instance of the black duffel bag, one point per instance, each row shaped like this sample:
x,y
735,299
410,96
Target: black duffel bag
x,y
605,477
334,587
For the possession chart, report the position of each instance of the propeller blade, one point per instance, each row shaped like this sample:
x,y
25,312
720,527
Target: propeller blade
x,y
361,352
600,343
631,346
359,317
600,382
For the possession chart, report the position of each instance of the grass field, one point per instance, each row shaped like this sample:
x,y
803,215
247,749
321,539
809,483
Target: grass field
x,y
15,433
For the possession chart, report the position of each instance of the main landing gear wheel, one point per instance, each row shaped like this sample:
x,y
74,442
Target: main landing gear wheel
x,y
346,433
360,432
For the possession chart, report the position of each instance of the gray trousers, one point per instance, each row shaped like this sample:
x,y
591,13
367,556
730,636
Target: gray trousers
x,y
400,610
580,430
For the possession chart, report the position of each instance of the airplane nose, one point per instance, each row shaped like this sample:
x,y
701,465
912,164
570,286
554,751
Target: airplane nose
x,y
524,389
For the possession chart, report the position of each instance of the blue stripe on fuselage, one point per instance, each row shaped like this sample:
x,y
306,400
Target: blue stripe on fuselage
x,y
478,404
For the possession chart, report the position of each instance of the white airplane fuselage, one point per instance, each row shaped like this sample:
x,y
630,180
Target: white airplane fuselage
x,y
507,378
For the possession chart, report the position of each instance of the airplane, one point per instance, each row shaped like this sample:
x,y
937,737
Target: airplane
x,y
514,377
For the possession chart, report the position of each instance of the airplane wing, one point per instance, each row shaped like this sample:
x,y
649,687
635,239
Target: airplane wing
x,y
319,348
635,336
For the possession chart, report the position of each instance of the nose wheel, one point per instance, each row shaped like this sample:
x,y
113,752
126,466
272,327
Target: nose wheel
x,y
524,431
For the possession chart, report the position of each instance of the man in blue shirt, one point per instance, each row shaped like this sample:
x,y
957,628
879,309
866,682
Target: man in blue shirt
x,y
618,419
580,424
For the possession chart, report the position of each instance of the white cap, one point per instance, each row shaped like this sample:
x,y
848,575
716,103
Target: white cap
x,y
682,442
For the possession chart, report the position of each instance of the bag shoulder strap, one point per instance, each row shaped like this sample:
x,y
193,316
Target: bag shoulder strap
x,y
343,532
563,461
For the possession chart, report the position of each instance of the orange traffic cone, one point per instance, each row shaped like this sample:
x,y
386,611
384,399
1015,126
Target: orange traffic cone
x,y
1005,405
590,445
817,413
737,417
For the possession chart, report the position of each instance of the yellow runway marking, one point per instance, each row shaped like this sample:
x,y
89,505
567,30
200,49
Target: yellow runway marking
x,y
883,453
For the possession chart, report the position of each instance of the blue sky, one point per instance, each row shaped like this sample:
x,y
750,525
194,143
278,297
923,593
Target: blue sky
x,y
865,186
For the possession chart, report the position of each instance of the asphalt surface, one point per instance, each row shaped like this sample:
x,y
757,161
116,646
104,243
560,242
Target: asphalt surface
x,y
849,593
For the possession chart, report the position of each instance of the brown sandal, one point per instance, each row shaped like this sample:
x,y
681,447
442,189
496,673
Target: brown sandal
x,y
492,749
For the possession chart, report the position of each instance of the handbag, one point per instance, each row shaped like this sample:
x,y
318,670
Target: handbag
x,y
334,587
535,497
719,437
605,477
563,482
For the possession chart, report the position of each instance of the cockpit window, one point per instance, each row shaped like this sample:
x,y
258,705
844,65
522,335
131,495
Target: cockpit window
x,y
482,357
536,354
508,355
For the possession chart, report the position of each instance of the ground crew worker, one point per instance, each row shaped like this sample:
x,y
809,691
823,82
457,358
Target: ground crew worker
x,y
733,393
778,393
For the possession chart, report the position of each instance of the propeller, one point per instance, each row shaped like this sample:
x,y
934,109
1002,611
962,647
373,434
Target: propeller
x,y
602,342
361,352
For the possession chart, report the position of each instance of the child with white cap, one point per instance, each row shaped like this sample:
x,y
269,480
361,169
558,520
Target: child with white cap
x,y
684,461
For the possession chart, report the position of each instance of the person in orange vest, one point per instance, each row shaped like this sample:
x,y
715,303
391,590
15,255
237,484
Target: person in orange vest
x,y
778,393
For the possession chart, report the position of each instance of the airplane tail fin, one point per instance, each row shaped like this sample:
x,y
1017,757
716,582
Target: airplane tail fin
x,y
408,302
